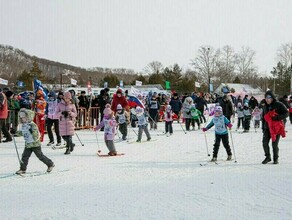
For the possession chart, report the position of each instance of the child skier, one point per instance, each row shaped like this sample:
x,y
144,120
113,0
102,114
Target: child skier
x,y
109,123
240,115
168,120
257,116
221,133
122,117
247,117
142,124
31,136
196,115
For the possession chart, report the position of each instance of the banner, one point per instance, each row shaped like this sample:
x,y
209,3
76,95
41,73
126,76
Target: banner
x,y
3,81
198,85
167,85
121,83
105,85
73,82
138,83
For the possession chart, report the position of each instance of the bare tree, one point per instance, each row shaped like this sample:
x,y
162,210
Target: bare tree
x,y
284,54
206,62
154,67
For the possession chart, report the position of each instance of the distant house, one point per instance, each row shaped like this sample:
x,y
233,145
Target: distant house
x,y
240,89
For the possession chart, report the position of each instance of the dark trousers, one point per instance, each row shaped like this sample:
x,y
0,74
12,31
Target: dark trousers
x,y
202,116
196,121
290,117
168,127
188,123
266,140
38,152
50,123
246,124
4,129
225,142
141,129
240,121
69,142
123,128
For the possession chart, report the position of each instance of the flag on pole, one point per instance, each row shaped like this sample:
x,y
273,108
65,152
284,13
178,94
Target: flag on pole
x,y
105,85
37,85
73,82
133,101
138,83
167,85
20,84
121,83
3,81
197,84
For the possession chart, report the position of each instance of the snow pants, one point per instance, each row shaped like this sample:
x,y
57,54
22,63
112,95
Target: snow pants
x,y
168,127
225,142
38,152
110,145
123,128
141,129
40,121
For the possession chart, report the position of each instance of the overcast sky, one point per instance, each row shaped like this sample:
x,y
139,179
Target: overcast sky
x,y
133,33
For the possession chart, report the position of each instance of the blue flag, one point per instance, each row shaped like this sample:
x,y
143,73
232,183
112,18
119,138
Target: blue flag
x,y
37,85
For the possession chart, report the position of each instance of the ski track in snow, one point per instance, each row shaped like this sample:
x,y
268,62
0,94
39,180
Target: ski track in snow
x,y
162,179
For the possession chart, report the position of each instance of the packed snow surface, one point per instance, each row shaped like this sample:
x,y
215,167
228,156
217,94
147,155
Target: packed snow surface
x,y
167,178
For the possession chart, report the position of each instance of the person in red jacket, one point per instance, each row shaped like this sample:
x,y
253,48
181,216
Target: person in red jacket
x,y
4,116
276,112
290,109
118,98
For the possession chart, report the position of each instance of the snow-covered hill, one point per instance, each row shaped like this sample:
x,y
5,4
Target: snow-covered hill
x,y
167,178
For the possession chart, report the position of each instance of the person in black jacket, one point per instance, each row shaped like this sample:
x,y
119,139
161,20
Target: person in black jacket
x,y
200,103
176,105
271,104
253,102
227,107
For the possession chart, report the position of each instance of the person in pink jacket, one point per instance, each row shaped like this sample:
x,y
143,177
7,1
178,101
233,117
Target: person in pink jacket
x,y
109,123
66,112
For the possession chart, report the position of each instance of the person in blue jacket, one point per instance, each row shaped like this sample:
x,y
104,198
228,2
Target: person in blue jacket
x,y
221,123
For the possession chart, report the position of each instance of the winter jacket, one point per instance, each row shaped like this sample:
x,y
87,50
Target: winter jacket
x,y
168,116
175,104
51,108
239,112
227,108
66,122
275,127
30,130
257,114
220,124
247,113
83,101
154,107
3,106
290,106
253,102
118,100
278,108
186,109
122,117
200,103
109,125
195,113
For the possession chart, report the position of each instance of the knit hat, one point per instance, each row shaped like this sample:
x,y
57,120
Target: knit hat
x,y
139,110
239,105
270,94
218,109
67,95
168,107
119,91
107,110
119,107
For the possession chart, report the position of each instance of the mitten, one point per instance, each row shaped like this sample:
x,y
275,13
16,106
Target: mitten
x,y
229,125
204,129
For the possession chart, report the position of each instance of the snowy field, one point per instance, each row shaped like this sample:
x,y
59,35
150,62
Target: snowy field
x,y
167,178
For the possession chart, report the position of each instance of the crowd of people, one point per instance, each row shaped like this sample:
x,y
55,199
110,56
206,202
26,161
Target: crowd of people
x,y
60,111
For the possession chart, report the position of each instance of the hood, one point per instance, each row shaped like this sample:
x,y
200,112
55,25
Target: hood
x,y
29,114
270,93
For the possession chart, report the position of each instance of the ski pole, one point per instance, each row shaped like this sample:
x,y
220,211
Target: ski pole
x,y
182,128
206,144
20,161
98,146
232,145
79,139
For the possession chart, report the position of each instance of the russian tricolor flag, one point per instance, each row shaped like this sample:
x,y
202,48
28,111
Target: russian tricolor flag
x,y
133,101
